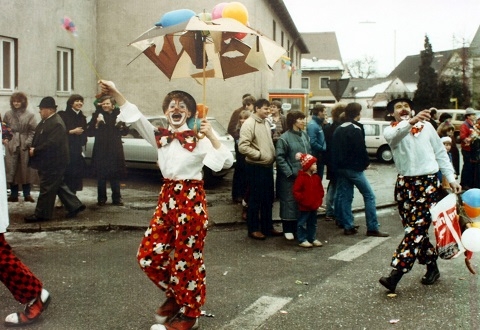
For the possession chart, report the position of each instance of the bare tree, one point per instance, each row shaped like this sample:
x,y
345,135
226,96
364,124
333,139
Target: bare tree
x,y
365,67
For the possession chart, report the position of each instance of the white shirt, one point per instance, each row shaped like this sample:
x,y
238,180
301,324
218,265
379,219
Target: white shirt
x,y
420,154
176,162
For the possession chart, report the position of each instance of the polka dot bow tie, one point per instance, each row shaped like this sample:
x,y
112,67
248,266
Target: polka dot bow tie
x,y
188,138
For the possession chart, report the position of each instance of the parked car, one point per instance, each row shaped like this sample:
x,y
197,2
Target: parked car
x,y
376,144
140,154
458,117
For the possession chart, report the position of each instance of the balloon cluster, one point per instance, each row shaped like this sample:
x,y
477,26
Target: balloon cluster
x,y
234,10
471,205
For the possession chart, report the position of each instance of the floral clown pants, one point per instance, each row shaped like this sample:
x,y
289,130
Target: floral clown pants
x,y
415,195
171,251
17,277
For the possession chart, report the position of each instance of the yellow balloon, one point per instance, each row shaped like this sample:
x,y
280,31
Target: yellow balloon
x,y
237,11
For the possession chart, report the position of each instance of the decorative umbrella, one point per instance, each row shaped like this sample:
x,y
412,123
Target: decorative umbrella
x,y
207,49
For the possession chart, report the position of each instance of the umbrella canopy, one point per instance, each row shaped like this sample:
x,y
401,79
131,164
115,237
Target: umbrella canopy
x,y
201,50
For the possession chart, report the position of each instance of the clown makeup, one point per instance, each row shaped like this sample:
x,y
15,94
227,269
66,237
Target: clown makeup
x,y
177,113
402,111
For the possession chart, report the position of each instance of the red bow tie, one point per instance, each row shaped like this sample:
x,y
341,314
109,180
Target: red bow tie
x,y
188,138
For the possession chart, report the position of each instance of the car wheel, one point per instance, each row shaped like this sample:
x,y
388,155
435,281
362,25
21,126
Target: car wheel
x,y
385,154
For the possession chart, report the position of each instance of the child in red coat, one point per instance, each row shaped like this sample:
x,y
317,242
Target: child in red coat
x,y
308,192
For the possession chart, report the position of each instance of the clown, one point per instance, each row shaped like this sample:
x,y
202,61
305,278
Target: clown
x,y
419,154
179,223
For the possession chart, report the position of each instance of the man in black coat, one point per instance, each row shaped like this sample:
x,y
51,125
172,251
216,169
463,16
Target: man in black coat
x,y
49,155
350,160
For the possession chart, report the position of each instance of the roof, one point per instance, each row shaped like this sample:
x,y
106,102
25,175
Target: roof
x,y
408,69
322,45
475,44
279,8
321,65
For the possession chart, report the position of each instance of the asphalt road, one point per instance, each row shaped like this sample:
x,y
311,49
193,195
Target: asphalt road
x,y
274,284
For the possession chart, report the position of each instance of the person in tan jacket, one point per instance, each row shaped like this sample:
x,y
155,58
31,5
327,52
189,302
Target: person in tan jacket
x,y
257,145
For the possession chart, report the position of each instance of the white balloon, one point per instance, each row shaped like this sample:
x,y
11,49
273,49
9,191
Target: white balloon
x,y
471,239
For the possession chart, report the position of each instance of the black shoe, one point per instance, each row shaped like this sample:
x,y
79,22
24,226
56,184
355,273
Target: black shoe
x,y
391,281
351,231
376,233
34,218
432,274
74,213
118,203
101,203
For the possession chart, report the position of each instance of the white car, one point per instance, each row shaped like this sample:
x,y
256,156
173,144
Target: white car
x,y
376,144
140,154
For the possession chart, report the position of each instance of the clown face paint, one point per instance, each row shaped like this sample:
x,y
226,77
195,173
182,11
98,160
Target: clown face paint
x,y
177,113
402,111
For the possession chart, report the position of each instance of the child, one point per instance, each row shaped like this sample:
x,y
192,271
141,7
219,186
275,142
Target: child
x,y
308,192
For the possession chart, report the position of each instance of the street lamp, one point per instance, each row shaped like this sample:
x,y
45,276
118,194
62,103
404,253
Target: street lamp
x,y
454,99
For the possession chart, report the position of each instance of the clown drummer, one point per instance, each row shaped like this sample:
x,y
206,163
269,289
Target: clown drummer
x,y
180,219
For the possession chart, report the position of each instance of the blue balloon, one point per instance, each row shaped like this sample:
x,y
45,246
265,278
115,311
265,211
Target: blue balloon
x,y
175,17
472,197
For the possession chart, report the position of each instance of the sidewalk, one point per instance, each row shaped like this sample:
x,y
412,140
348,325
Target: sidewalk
x,y
139,207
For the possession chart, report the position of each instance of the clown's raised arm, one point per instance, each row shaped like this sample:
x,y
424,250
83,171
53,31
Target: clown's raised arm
x,y
177,106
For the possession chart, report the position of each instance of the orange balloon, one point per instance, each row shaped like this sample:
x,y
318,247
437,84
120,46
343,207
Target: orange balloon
x,y
237,11
472,212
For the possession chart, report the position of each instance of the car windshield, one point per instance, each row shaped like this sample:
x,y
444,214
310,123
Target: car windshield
x,y
219,129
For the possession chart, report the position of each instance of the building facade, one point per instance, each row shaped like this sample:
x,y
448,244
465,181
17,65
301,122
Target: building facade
x,y
41,58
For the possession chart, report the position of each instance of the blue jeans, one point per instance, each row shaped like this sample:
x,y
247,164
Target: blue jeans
x,y
307,226
346,180
331,192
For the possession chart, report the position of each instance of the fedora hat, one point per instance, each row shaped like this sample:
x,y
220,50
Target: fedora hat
x,y
48,102
469,111
392,103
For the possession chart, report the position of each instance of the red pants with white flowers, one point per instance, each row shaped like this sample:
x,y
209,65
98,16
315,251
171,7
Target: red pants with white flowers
x,y
17,277
171,251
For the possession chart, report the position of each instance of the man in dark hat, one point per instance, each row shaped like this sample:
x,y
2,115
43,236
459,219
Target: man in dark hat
x,y
171,251
49,155
419,154
466,133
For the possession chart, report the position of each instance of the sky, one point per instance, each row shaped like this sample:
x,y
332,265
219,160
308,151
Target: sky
x,y
388,30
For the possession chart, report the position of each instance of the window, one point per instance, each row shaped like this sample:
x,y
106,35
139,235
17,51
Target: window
x,y
64,70
274,31
371,129
306,83
324,82
8,64
282,37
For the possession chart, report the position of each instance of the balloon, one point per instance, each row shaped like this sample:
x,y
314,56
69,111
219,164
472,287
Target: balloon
x,y
175,17
240,35
206,17
472,197
218,10
471,239
237,11
472,212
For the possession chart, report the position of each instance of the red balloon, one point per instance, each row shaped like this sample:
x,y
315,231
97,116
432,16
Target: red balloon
x,y
240,35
